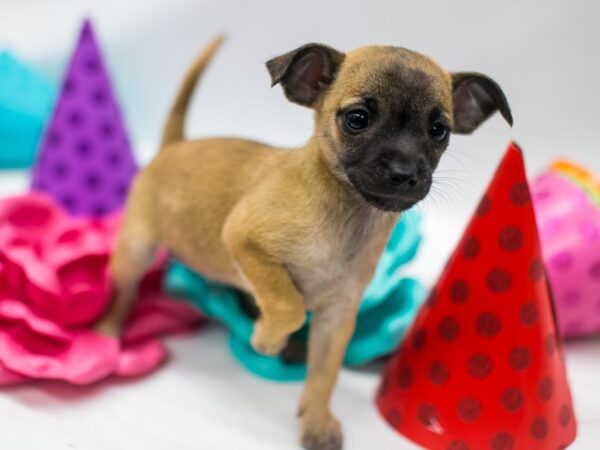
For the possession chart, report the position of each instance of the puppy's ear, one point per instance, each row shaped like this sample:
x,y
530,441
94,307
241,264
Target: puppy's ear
x,y
305,73
475,97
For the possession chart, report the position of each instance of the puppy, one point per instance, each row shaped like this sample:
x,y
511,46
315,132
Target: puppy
x,y
302,229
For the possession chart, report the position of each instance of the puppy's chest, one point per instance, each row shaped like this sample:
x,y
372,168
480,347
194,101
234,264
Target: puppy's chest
x,y
335,255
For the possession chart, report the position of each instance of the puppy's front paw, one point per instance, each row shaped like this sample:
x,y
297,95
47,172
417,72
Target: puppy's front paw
x,y
266,342
321,432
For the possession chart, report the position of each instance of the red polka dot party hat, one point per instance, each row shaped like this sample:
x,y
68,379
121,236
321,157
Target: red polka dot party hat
x,y
482,367
85,160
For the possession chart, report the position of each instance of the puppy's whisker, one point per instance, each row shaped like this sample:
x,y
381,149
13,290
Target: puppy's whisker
x,y
449,184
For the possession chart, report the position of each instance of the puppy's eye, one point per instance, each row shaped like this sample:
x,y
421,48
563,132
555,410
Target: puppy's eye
x,y
439,132
357,119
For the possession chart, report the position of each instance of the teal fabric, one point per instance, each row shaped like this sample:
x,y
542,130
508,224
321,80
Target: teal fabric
x,y
26,101
388,308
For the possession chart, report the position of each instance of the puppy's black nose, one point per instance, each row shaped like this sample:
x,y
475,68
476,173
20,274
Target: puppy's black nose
x,y
402,177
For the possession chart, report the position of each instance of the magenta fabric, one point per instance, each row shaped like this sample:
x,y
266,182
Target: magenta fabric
x,y
54,286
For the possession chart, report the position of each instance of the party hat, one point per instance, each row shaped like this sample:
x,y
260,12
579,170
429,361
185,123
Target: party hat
x,y
85,160
481,367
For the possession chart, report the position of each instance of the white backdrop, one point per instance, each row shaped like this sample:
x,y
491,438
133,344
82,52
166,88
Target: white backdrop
x,y
546,56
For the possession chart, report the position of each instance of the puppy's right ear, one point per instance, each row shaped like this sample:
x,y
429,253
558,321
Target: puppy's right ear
x,y
305,73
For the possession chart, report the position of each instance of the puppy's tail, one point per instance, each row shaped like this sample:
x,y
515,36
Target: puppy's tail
x,y
175,122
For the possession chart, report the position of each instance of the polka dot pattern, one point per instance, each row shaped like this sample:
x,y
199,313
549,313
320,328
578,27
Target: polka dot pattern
x,y
449,329
510,238
484,353
405,377
539,428
520,358
536,270
498,280
468,409
458,445
502,441
419,340
528,314
546,389
512,399
459,291
488,325
427,415
471,248
85,153
438,373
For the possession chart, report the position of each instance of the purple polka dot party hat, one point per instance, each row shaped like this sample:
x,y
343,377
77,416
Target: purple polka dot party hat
x,y
482,367
85,160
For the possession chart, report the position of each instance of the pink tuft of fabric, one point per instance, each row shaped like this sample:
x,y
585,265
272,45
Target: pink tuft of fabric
x,y
54,285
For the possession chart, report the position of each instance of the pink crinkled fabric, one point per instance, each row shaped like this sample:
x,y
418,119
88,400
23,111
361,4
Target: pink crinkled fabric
x,y
54,286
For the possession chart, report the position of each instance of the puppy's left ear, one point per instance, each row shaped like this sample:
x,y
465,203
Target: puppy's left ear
x,y
475,97
305,73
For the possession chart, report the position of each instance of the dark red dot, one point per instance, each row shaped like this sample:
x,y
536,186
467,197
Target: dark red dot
x,y
458,445
484,206
595,271
539,428
479,365
459,291
394,418
438,373
488,324
564,415
498,280
502,441
418,341
471,248
520,358
550,344
405,377
512,399
536,270
427,414
468,409
510,238
384,386
546,389
528,314
519,194
448,329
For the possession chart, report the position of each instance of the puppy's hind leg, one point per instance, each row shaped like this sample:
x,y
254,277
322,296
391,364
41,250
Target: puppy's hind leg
x,y
133,254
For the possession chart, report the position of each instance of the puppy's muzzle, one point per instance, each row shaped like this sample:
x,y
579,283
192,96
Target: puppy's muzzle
x,y
401,177
391,184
